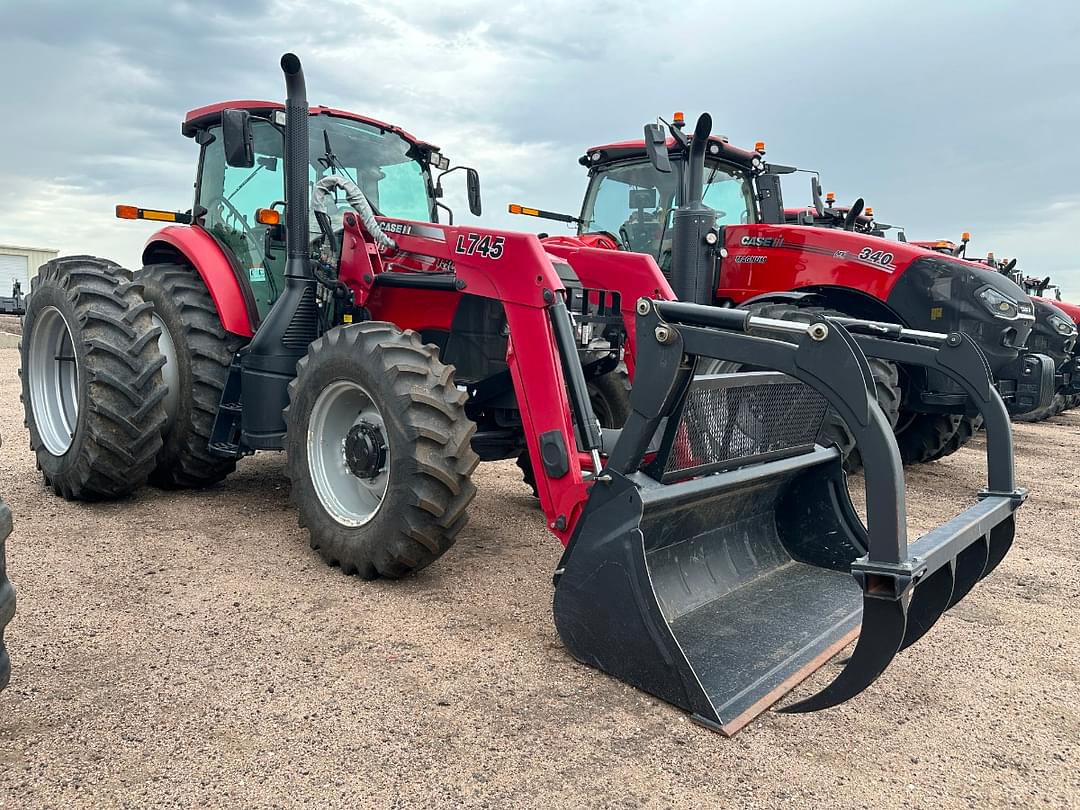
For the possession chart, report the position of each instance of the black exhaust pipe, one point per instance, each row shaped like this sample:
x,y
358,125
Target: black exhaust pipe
x,y
691,257
296,167
269,361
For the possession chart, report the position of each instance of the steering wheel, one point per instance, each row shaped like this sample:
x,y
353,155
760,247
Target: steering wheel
x,y
234,212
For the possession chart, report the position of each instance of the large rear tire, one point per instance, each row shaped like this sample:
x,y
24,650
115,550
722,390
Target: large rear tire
x,y
198,352
378,450
834,430
92,387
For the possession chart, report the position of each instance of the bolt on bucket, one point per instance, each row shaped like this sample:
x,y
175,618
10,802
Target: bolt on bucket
x,y
718,567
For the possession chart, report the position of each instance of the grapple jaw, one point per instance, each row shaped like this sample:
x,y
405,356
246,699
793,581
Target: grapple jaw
x,y
720,571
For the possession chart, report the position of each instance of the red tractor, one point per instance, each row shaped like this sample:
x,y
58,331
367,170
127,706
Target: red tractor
x,y
1055,332
787,271
712,553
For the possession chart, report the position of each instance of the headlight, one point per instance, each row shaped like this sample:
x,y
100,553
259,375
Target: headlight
x,y
999,304
1062,325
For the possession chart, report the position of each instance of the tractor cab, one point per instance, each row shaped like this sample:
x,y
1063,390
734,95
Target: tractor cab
x,y
239,186
634,204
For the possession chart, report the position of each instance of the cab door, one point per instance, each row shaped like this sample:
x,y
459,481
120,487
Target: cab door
x,y
231,196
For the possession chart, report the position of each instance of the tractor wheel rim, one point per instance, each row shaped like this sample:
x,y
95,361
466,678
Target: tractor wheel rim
x,y
170,372
53,369
350,499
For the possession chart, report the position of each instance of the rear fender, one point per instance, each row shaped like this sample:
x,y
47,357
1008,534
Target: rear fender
x,y
218,268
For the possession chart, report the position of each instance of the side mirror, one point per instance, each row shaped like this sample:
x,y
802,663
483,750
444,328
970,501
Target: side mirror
x,y
472,182
901,237
656,148
236,134
815,193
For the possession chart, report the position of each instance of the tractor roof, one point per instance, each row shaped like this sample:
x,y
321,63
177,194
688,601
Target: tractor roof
x,y
630,149
211,114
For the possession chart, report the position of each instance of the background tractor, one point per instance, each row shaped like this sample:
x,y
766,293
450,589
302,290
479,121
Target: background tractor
x,y
713,556
1055,331
786,271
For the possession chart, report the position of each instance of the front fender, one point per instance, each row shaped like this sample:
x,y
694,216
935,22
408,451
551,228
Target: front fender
x,y
783,297
219,270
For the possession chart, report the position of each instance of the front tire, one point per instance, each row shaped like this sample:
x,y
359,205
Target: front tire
x,y
1053,408
92,387
965,432
378,450
198,353
926,436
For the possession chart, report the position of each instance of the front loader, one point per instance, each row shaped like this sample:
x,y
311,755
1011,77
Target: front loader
x,y
713,556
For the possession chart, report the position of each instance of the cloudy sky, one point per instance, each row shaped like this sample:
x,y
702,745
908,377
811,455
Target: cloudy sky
x,y
946,116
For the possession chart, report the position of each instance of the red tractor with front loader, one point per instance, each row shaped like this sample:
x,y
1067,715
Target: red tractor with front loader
x,y
713,556
786,270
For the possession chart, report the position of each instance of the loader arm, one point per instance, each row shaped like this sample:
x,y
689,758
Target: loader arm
x,y
514,270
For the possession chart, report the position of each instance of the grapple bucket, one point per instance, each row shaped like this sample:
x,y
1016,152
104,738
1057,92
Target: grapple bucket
x,y
719,561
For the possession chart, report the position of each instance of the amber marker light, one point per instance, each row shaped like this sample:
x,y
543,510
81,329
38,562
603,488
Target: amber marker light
x,y
267,216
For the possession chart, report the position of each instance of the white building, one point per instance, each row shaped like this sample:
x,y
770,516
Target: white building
x,y
19,263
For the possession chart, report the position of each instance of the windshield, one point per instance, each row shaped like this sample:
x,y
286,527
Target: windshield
x,y
383,164
634,203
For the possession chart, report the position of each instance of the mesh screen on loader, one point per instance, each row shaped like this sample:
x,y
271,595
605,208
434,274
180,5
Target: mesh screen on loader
x,y
722,570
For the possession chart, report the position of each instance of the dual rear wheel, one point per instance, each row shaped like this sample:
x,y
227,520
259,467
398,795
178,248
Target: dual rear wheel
x,y
122,379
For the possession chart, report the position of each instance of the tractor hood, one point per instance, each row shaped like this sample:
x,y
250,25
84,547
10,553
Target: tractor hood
x,y
917,287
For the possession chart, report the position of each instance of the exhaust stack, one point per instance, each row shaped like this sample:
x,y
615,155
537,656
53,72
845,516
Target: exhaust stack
x,y
269,362
692,269
296,162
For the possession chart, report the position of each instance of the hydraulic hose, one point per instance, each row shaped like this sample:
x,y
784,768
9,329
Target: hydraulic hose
x,y
355,195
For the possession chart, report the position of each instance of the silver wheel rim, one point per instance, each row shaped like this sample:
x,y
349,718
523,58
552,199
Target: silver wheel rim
x,y
53,371
349,499
170,372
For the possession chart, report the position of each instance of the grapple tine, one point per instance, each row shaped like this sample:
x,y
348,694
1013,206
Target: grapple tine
x,y
970,564
882,632
1001,540
930,600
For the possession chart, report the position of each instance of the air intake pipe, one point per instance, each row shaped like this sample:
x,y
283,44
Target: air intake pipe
x,y
269,362
691,259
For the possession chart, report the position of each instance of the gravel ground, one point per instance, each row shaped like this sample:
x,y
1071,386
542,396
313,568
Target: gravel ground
x,y
189,649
